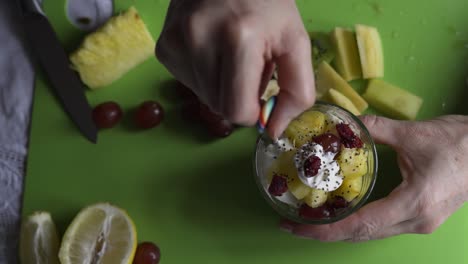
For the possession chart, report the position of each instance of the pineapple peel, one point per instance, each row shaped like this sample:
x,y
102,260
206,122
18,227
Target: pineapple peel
x,y
113,50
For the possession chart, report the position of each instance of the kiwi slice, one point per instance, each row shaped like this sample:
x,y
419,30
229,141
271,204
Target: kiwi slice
x,y
322,48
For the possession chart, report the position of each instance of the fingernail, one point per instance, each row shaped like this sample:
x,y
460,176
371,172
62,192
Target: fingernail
x,y
286,225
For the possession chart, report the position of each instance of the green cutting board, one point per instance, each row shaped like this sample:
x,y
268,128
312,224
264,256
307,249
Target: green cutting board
x,y
196,197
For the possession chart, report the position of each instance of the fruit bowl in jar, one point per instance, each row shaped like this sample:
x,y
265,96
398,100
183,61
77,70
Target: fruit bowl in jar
x,y
322,169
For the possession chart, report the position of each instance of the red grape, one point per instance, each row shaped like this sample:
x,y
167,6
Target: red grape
x,y
149,114
221,128
147,253
329,142
107,115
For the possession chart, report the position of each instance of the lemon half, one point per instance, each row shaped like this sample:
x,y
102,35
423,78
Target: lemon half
x,y
100,233
39,241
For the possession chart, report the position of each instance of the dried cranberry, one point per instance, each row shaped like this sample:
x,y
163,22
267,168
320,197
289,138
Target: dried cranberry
x,y
329,142
278,185
348,138
312,166
339,202
308,212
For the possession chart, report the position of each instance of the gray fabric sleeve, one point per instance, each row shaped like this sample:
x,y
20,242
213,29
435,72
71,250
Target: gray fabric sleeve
x,y
16,86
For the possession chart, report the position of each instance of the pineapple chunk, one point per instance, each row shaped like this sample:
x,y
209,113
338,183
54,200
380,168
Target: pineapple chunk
x,y
347,61
341,100
350,189
107,54
297,187
370,51
271,90
316,198
392,100
284,166
353,163
328,78
305,127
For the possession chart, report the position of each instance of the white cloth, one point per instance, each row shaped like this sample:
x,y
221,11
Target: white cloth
x,y
16,86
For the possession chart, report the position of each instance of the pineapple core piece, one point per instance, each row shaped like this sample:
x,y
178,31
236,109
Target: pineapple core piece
x,y
347,60
113,50
328,78
370,51
392,100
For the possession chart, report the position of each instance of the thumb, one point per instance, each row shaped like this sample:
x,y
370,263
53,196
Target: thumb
x,y
384,130
297,88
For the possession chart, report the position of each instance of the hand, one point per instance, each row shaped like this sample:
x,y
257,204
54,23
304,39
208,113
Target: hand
x,y
432,156
225,51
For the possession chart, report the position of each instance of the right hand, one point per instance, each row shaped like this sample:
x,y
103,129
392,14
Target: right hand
x,y
225,51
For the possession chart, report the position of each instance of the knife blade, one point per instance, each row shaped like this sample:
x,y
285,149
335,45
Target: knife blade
x,y
52,57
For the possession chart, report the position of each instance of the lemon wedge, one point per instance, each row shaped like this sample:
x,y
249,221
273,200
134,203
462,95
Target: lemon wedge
x,y
100,233
39,241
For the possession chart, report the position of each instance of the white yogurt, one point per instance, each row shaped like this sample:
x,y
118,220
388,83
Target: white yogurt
x,y
328,177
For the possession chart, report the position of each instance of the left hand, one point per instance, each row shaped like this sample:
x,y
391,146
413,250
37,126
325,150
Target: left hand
x,y
432,156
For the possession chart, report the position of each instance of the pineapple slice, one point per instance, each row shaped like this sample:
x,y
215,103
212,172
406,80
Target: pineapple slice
x,y
271,90
107,54
305,127
393,100
328,78
316,198
343,101
297,187
370,51
347,61
353,163
349,190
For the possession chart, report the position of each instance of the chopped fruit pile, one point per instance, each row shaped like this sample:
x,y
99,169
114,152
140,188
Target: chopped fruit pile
x,y
195,111
358,55
322,174
100,233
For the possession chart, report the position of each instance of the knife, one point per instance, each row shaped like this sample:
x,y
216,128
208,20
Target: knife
x,y
52,57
